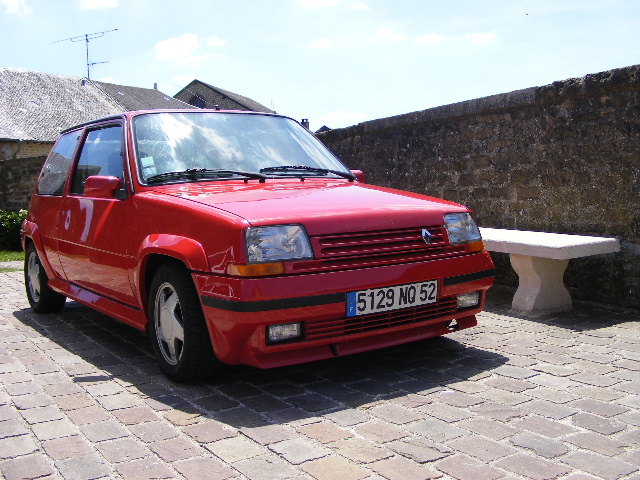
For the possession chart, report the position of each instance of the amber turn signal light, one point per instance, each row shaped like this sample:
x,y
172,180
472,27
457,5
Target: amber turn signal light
x,y
255,269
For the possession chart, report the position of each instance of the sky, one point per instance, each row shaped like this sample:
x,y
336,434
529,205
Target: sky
x,y
334,62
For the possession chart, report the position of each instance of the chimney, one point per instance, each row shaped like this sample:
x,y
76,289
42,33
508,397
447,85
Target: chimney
x,y
155,86
305,123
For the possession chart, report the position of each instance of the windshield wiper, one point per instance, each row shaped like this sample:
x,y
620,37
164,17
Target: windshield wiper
x,y
193,173
306,168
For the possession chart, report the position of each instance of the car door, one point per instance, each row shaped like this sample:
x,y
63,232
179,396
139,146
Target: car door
x,y
92,232
47,201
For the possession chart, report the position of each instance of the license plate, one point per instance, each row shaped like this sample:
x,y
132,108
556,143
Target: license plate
x,y
376,300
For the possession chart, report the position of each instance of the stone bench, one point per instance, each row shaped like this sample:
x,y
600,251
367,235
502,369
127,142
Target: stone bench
x,y
540,259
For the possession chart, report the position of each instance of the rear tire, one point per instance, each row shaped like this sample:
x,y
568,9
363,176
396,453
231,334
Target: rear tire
x,y
41,298
177,328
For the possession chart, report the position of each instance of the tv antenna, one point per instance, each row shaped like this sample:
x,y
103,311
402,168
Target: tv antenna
x,y
86,37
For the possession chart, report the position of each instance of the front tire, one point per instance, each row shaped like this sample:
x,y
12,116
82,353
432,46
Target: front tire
x,y
177,327
41,298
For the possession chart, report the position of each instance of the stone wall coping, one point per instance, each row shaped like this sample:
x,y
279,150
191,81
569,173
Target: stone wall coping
x,y
558,246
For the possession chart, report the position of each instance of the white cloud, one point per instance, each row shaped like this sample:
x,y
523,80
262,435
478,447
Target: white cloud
x,y
482,37
389,34
16,6
216,42
180,50
91,4
430,39
318,3
320,44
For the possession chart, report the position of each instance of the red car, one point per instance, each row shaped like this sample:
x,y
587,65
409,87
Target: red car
x,y
238,238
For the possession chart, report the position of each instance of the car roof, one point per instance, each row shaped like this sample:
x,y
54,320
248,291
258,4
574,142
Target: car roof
x,y
133,113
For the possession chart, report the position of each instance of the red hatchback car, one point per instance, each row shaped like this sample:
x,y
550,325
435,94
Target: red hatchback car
x,y
238,238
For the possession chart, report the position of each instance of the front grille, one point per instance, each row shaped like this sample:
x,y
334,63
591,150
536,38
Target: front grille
x,y
323,329
354,250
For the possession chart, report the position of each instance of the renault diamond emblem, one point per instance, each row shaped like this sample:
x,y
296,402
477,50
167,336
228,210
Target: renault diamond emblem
x,y
426,236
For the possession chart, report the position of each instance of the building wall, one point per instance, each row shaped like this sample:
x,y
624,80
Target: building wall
x,y
19,179
10,149
560,158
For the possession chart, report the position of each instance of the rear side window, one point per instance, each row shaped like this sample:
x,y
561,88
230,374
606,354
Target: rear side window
x,y
101,155
56,168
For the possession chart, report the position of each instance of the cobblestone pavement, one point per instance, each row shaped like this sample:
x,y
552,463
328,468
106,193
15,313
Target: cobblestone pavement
x,y
555,397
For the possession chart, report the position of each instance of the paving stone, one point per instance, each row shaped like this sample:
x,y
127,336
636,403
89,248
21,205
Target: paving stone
x,y
13,428
595,380
436,430
208,431
54,429
600,466
183,417
603,409
118,401
299,450
395,414
234,449
419,450
359,450
175,449
597,424
324,432
487,427
67,447
598,393
548,409
268,434
466,468
101,431
482,448
26,467
84,468
544,426
348,417
510,384
631,418
122,450
495,395
204,469
34,400
270,468
74,401
403,469
334,468
445,412
380,431
606,445
312,402
153,431
239,417
16,446
542,446
135,415
496,411
145,469
551,395
533,468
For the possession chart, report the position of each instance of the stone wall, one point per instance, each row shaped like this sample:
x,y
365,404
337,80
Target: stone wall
x,y
560,158
18,181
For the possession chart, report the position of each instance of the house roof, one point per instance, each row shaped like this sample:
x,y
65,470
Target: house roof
x,y
245,103
136,98
36,106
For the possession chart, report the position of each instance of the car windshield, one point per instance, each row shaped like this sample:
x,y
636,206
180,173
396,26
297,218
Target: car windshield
x,y
233,142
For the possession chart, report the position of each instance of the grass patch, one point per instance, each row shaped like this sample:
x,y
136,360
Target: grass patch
x,y
11,256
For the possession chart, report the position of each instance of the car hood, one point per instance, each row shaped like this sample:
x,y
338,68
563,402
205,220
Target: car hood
x,y
322,206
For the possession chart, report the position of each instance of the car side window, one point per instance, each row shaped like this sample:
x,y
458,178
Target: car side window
x,y
101,155
56,169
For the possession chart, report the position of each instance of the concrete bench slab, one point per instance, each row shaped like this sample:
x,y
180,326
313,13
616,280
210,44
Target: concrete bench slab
x,y
540,259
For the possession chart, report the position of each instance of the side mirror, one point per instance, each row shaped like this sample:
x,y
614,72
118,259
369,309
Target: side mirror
x,y
359,175
98,186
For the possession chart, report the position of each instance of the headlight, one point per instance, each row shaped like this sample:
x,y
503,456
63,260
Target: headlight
x,y
277,243
461,228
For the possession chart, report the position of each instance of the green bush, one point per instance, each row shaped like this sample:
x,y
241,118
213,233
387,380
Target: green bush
x,y
10,223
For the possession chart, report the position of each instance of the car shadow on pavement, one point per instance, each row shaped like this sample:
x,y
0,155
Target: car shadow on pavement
x,y
104,356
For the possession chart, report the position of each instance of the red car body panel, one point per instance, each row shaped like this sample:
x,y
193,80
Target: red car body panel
x,y
98,251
